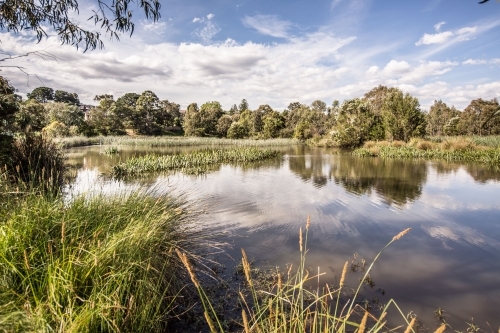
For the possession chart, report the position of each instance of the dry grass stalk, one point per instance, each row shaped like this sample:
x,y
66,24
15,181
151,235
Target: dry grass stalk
x,y
441,329
410,327
401,234
189,268
246,268
26,261
245,321
308,223
344,272
362,325
300,239
63,232
280,284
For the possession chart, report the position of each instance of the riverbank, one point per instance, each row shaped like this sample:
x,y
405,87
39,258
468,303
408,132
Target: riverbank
x,y
457,149
168,141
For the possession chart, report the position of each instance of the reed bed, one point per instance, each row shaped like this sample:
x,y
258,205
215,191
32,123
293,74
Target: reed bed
x,y
289,306
166,141
100,264
464,150
492,141
192,163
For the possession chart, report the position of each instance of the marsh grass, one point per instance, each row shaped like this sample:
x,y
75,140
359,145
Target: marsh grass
x,y
167,141
458,149
192,163
99,264
491,141
289,306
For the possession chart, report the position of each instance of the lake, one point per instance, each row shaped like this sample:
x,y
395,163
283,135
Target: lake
x,y
450,259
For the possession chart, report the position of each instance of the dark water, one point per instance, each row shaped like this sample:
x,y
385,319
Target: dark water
x,y
450,259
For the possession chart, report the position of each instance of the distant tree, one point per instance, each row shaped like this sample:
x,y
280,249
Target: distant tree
x,y
67,114
66,97
148,116
9,105
376,98
210,112
223,125
233,109
258,116
30,117
318,106
402,116
354,122
236,131
439,116
192,121
124,108
42,94
244,105
274,122
480,117
103,120
172,114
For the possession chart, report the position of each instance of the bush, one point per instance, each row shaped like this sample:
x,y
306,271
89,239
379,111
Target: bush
x,y
56,129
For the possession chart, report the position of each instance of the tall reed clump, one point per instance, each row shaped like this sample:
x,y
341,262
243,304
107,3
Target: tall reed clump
x,y
100,264
191,163
290,306
168,141
458,149
36,163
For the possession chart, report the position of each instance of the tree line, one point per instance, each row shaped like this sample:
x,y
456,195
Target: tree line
x,y
383,113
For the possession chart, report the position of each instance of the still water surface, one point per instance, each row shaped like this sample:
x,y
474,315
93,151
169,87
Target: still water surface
x,y
450,259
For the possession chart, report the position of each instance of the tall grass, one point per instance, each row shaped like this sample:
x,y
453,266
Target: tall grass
x,y
191,163
288,306
166,141
100,264
492,141
463,150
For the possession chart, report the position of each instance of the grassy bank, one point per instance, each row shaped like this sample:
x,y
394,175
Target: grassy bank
x,y
458,149
166,141
491,141
192,163
100,264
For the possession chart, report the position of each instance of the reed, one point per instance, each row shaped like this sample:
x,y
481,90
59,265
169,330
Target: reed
x,y
192,163
463,150
100,264
167,141
289,306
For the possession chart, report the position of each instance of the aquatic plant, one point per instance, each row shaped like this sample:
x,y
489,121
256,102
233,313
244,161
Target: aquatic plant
x,y
168,141
192,163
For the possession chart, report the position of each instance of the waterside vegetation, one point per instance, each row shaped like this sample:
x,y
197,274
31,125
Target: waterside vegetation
x,y
455,149
192,163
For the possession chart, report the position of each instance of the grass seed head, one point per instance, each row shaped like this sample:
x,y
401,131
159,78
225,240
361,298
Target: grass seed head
x,y
401,234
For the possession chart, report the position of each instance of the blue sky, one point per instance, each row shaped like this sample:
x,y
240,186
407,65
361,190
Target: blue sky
x,y
277,52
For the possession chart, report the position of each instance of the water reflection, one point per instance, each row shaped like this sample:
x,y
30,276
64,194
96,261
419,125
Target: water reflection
x,y
451,258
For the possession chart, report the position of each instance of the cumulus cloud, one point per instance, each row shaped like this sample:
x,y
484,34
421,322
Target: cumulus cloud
x,y
198,19
210,16
269,25
438,38
494,61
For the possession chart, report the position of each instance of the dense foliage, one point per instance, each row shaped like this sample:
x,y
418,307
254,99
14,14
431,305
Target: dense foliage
x,y
383,113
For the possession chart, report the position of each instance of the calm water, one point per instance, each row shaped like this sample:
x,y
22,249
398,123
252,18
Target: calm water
x,y
450,259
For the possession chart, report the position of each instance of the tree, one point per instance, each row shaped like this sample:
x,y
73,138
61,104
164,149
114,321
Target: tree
x,y
244,105
402,116
223,125
124,108
318,106
233,109
67,114
192,121
114,17
66,97
354,122
273,124
9,105
42,94
30,117
439,116
376,98
148,115
210,112
480,117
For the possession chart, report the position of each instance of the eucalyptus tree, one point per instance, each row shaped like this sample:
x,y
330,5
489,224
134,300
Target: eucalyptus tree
x,y
439,116
41,94
354,123
480,117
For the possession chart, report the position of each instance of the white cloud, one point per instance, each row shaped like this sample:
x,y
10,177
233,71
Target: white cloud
x,y
268,25
372,70
396,67
467,30
439,25
208,30
158,27
494,61
438,38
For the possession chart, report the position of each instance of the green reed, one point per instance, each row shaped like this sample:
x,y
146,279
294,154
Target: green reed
x,y
456,150
191,163
94,264
167,141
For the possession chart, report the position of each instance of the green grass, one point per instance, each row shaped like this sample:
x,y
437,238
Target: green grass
x,y
492,141
456,150
167,141
192,163
99,264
